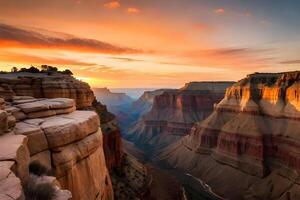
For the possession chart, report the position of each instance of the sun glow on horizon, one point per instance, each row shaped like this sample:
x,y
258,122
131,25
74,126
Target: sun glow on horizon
x,y
150,43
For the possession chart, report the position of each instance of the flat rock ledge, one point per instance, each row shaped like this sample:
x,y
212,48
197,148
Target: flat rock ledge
x,y
53,132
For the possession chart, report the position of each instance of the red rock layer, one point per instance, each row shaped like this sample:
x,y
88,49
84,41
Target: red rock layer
x,y
175,111
113,149
257,121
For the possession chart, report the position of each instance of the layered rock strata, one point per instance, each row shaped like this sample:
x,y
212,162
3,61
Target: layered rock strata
x,y
43,85
46,86
174,112
15,156
250,142
144,103
69,142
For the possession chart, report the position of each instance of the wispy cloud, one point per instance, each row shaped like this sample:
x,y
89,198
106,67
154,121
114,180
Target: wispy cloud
x,y
290,62
12,36
233,51
112,5
126,59
33,59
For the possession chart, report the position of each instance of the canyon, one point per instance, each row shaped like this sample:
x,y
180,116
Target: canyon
x,y
173,113
105,96
206,140
248,147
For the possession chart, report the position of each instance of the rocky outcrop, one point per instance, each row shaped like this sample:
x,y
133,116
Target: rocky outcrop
x,y
66,141
42,85
250,143
174,112
16,182
57,85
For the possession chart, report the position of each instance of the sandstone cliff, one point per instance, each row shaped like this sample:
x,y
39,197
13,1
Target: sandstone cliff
x,y
42,85
67,141
64,139
248,148
174,112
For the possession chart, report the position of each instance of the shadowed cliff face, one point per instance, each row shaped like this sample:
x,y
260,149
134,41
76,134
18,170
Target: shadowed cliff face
x,y
109,98
174,112
250,142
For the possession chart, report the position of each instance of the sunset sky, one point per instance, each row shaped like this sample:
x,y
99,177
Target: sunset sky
x,y
151,43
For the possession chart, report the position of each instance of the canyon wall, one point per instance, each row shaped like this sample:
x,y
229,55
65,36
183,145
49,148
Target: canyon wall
x,y
43,85
174,112
109,98
248,148
144,103
57,136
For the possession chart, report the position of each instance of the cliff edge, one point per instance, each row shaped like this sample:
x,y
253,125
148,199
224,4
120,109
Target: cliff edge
x,y
250,143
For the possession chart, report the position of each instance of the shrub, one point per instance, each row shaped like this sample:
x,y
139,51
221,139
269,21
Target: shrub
x,y
36,168
14,69
32,69
42,191
67,72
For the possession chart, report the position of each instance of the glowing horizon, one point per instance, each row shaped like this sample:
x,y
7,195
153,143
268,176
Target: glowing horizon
x,y
151,44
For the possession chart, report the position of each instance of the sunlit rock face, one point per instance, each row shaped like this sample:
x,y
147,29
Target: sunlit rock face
x,y
43,85
17,150
250,142
174,112
68,141
46,86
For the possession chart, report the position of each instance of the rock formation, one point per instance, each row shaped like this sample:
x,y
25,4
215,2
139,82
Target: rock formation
x,y
174,112
67,141
129,114
72,143
105,96
248,148
43,85
144,103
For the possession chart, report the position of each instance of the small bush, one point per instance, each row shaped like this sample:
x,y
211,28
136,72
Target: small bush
x,y
36,168
43,191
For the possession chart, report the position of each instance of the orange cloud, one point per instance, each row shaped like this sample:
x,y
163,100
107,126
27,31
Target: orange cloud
x,y
15,37
112,5
219,11
132,10
32,59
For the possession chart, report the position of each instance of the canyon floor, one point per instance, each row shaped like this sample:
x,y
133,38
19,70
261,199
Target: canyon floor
x,y
168,183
